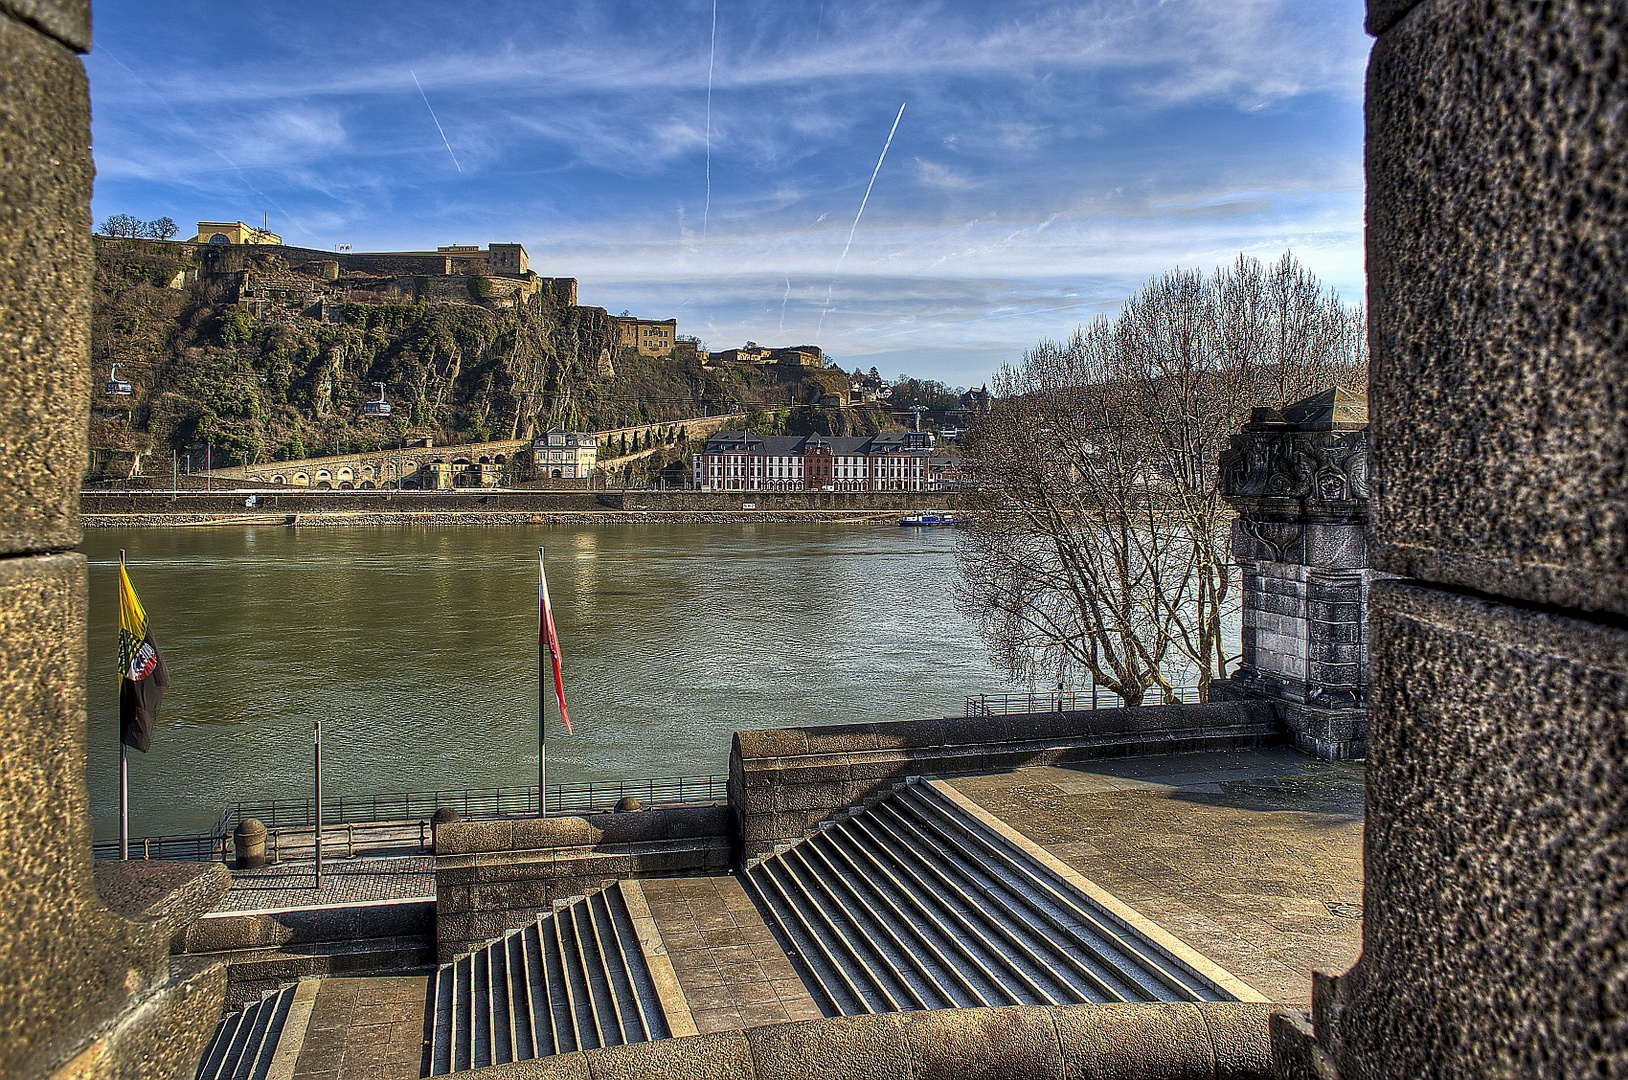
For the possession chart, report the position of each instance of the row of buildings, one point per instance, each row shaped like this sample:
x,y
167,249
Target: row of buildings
x,y
891,461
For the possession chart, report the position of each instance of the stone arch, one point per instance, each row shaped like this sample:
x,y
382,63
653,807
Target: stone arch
x,y
368,485
301,480
500,459
485,459
346,473
324,474
279,480
346,485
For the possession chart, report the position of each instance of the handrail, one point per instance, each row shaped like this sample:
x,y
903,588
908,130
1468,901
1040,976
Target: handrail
x,y
471,803
1094,697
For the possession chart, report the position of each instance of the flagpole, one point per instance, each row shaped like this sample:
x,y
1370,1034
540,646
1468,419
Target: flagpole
x,y
542,696
124,774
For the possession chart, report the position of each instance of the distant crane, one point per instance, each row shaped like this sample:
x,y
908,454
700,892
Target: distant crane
x,y
377,408
115,386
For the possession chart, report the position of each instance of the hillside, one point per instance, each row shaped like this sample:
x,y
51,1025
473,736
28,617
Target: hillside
x,y
202,371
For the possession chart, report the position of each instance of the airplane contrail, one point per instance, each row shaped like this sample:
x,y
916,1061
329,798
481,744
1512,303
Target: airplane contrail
x,y
783,300
859,215
426,98
711,56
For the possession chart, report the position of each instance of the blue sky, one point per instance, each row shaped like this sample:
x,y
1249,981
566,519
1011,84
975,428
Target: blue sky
x,y
1050,157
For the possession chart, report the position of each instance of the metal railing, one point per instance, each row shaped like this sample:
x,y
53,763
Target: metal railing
x,y
475,803
1094,697
278,815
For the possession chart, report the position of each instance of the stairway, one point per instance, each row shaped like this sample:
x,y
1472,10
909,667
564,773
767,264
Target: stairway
x,y
575,979
245,1041
916,903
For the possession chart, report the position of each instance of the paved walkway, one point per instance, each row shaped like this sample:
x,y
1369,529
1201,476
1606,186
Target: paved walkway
x,y
344,881
725,957
1253,858
365,1029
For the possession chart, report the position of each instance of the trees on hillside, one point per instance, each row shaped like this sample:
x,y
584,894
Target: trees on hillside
x,y
129,227
1098,544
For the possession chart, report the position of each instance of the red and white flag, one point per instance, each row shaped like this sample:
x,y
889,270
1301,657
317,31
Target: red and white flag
x,y
549,639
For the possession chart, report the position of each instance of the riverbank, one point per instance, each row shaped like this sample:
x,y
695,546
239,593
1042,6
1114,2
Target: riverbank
x,y
438,518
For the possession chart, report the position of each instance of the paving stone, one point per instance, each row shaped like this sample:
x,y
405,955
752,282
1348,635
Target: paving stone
x,y
286,885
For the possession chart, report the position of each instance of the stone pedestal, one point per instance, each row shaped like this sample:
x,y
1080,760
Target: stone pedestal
x,y
1299,482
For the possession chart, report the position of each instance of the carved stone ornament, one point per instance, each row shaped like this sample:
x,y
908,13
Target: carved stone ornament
x,y
1317,466
1276,536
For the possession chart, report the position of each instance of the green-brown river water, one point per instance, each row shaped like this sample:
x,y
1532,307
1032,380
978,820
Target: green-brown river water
x,y
417,648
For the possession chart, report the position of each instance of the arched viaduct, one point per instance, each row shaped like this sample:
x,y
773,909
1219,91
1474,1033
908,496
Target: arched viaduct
x,y
369,470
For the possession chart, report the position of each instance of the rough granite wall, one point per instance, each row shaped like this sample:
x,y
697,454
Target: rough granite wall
x,y
1495,932
83,992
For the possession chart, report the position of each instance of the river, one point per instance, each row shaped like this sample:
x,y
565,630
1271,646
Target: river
x,y
417,648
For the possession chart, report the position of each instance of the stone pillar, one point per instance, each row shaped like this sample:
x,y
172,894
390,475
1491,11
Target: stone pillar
x,y
1299,482
1495,925
83,992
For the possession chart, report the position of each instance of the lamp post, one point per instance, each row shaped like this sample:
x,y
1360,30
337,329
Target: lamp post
x,y
316,754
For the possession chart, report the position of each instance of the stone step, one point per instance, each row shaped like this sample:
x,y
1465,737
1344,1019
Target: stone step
x,y
576,978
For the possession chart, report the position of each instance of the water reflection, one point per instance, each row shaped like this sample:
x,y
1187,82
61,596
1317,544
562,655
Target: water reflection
x,y
417,649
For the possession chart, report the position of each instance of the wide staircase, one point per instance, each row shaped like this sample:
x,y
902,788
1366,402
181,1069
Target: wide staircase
x,y
574,979
921,902
246,1041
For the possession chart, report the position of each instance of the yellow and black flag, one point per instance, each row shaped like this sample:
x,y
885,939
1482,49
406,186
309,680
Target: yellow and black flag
x,y
142,675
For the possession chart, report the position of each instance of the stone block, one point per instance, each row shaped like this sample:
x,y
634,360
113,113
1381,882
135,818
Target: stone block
x,y
1120,1042
850,1047
1384,14
805,797
1336,547
1497,247
880,764
726,1055
45,275
468,837
66,20
165,1037
1016,1043
1496,834
1348,592
55,988
824,769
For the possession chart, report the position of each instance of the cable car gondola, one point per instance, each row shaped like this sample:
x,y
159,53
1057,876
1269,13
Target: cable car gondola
x,y
377,408
115,386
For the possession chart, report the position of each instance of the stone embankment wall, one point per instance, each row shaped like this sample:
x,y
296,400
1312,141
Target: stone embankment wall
x,y
784,782
485,517
782,500
495,876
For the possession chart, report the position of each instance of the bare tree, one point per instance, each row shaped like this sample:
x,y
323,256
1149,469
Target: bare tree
x,y
122,225
1099,539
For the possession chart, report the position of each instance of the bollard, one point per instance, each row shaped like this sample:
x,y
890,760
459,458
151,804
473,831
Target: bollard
x,y
249,841
421,825
350,842
273,837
